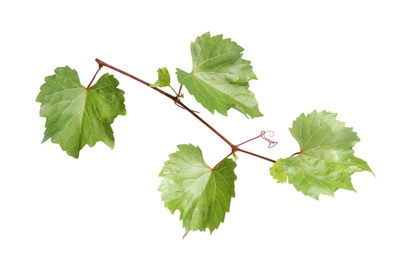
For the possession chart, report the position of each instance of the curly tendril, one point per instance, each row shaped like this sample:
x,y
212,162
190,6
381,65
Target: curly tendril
x,y
270,134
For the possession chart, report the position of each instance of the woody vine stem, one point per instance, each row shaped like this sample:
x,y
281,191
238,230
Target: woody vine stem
x,y
179,103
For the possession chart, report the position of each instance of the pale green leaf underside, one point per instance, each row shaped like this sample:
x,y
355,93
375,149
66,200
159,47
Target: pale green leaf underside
x,y
326,160
201,194
76,116
219,79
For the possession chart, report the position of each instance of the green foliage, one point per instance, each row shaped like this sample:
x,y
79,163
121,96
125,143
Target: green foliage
x,y
200,193
278,173
219,79
163,78
326,160
76,116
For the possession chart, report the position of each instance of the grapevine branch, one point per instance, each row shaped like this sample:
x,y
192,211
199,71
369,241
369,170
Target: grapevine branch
x,y
184,171
177,101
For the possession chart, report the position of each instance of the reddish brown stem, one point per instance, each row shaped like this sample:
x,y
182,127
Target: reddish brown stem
x,y
262,134
256,155
180,89
95,75
248,140
177,101
204,122
102,63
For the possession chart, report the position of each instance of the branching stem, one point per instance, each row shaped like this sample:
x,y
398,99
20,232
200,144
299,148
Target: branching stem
x,y
177,101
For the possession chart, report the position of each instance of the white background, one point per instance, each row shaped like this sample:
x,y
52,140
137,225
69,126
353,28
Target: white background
x,y
340,56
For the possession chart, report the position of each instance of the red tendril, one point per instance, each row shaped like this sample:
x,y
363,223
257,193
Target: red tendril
x,y
271,134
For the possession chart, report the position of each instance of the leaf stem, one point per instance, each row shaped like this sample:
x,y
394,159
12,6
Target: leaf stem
x,y
174,91
95,75
292,155
177,101
180,89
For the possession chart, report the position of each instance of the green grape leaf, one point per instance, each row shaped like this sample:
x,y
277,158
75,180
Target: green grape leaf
x,y
219,79
326,159
163,78
278,173
76,116
200,193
